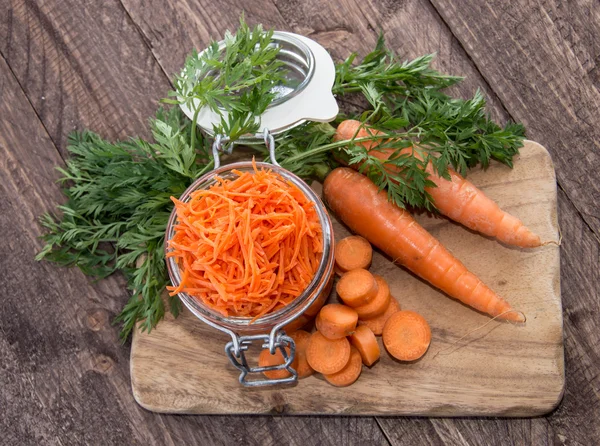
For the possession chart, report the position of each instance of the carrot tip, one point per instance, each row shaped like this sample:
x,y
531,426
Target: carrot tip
x,y
512,316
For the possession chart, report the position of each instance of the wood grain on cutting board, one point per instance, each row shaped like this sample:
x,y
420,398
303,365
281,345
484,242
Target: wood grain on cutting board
x,y
499,369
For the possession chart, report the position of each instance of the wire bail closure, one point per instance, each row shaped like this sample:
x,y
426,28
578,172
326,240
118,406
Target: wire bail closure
x,y
279,342
221,140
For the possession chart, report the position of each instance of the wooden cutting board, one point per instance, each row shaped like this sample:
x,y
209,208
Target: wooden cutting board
x,y
500,369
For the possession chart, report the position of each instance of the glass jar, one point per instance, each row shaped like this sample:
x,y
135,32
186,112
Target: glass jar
x,y
270,328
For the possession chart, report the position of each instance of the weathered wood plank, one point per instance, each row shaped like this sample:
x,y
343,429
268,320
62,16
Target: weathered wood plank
x,y
414,28
184,25
542,59
580,257
66,372
82,65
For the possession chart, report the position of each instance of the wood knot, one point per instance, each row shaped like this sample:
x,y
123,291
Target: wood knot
x,y
103,364
96,319
279,404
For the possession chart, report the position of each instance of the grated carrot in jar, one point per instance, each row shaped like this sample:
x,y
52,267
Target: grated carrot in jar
x,y
247,246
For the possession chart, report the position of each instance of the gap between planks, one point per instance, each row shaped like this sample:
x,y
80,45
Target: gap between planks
x,y
16,79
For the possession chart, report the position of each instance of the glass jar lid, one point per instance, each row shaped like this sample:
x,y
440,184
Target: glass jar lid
x,y
304,94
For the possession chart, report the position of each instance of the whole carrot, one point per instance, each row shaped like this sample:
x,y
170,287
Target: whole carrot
x,y
367,211
457,199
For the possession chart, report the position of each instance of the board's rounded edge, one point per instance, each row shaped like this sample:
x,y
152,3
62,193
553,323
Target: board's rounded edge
x,y
138,394
543,149
559,397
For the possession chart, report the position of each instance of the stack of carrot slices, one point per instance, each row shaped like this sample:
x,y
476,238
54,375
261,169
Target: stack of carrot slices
x,y
345,338
246,246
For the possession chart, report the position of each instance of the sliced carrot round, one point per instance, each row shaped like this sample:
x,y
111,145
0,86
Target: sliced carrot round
x,y
327,355
336,321
352,253
366,343
406,335
349,374
266,359
300,363
379,303
377,323
357,287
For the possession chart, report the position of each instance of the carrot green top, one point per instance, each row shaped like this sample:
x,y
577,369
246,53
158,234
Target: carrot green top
x,y
246,246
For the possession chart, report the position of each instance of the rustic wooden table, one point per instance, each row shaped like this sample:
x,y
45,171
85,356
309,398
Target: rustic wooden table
x,y
64,377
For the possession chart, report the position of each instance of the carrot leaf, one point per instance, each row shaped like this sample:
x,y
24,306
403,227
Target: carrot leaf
x,y
118,203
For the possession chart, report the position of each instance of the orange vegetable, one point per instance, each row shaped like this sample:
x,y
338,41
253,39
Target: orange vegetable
x,y
406,335
457,198
246,246
300,363
336,321
266,359
368,212
357,287
352,252
366,343
377,323
379,304
349,374
326,355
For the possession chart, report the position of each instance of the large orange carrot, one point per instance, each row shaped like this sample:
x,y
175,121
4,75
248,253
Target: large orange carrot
x,y
367,211
457,199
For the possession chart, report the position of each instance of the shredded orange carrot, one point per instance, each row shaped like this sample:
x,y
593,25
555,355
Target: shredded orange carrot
x,y
246,246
